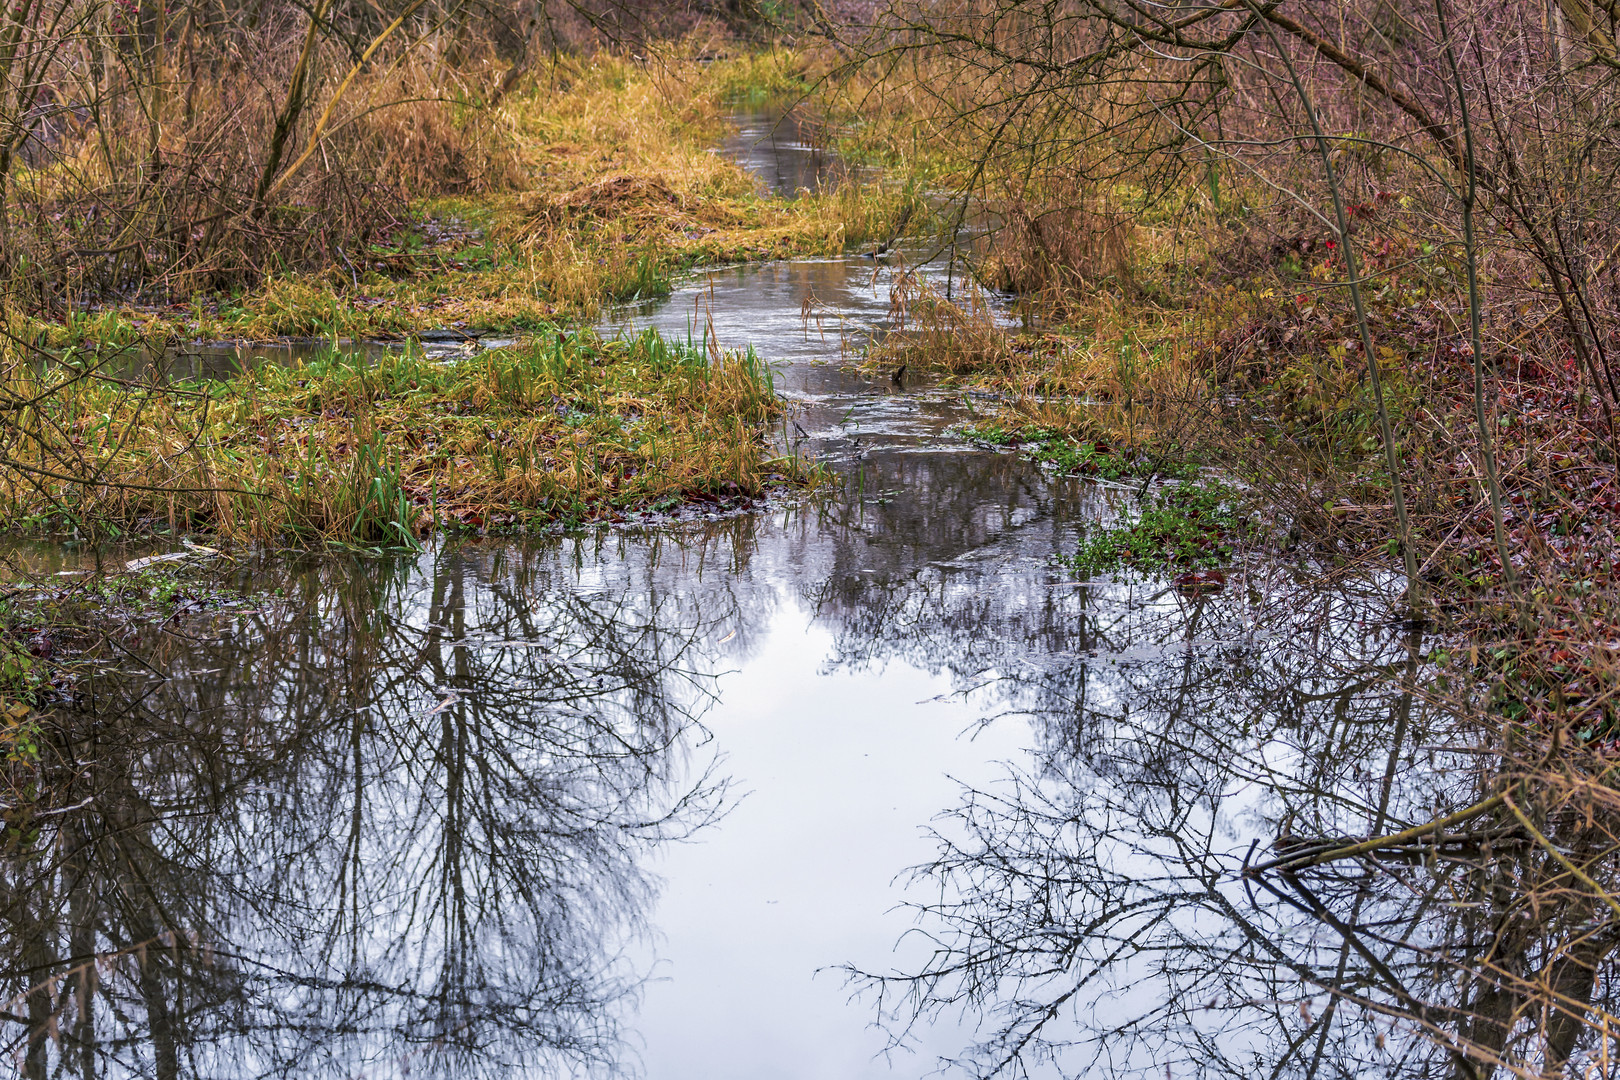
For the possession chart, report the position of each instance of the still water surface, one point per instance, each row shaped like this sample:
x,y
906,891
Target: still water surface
x,y
631,800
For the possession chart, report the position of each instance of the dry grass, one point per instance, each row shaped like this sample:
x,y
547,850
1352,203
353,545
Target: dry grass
x,y
1057,246
562,428
932,333
598,181
155,192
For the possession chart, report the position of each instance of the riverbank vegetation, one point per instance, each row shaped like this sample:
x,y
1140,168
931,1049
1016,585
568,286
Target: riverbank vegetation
x,y
361,450
1369,288
1357,259
592,185
366,175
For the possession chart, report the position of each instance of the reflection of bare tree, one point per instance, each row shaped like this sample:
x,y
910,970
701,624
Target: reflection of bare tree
x,y
1095,911
402,812
1095,908
947,562
394,815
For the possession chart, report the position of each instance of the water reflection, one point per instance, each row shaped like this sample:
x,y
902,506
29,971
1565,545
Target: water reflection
x,y
1097,915
404,815
780,150
1168,884
398,817
1091,903
408,809
217,361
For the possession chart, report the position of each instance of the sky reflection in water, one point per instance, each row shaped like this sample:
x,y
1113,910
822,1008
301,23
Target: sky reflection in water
x,y
444,814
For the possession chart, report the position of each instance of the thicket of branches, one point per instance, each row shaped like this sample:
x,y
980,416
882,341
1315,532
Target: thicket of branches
x,y
1380,132
152,148
1452,169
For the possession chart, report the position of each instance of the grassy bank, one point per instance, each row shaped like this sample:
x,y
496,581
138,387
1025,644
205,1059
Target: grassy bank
x,y
562,428
611,188
602,184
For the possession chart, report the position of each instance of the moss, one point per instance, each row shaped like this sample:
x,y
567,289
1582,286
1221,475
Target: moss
x,y
1071,455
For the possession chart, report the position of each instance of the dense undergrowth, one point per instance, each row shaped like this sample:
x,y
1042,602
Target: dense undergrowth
x,y
611,189
1195,327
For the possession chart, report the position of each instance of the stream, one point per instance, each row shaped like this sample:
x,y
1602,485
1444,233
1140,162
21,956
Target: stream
x,y
650,800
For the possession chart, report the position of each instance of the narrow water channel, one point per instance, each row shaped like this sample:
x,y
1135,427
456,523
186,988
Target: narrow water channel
x,y
632,800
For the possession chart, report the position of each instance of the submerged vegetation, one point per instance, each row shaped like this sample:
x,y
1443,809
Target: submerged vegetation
x,y
1073,456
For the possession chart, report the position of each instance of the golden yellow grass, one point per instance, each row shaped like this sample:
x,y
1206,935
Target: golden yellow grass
x,y
605,180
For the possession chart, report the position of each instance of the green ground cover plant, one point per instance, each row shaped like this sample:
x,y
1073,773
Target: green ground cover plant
x,y
1188,527
565,427
1070,455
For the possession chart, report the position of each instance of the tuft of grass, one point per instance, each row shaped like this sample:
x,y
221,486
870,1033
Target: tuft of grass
x,y
1191,526
563,428
760,79
933,333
